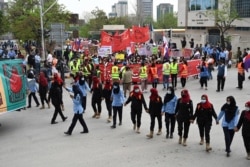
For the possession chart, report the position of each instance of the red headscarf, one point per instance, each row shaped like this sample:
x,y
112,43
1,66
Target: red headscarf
x,y
154,94
185,98
137,94
95,82
58,79
108,85
207,104
43,80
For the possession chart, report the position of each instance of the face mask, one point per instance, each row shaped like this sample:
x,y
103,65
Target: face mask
x,y
247,108
137,90
203,101
115,87
169,92
228,103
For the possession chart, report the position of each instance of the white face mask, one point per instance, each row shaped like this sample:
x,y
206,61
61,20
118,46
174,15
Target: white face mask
x,y
168,91
247,108
203,101
228,103
115,87
137,90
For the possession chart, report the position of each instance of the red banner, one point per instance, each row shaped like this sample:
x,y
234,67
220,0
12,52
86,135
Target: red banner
x,y
106,70
106,39
140,34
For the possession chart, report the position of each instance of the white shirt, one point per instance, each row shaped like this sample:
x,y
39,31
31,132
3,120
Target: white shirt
x,y
49,58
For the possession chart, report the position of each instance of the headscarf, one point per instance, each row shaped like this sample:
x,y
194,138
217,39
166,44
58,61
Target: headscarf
x,y
229,109
169,97
77,90
95,82
136,94
207,104
116,88
247,114
43,80
185,98
154,94
58,79
108,85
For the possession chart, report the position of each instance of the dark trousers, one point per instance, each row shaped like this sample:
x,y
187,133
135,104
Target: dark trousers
x,y
229,135
117,109
136,117
58,110
43,96
241,78
170,120
98,104
154,83
183,125
174,80
204,128
220,82
84,101
183,82
81,120
109,106
203,81
152,124
33,94
246,140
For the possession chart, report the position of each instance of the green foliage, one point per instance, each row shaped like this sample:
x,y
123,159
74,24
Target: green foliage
x,y
167,21
4,24
224,16
24,17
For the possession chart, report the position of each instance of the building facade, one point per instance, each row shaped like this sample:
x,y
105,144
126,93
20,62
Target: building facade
x,y
192,15
144,9
163,9
119,9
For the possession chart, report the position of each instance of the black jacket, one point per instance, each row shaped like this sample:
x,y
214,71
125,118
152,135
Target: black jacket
x,y
204,115
136,103
245,122
155,106
184,111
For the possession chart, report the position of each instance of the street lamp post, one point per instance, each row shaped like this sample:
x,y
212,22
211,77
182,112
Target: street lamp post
x,y
41,22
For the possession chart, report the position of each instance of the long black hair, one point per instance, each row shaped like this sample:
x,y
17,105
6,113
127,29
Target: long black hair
x,y
77,90
117,89
229,109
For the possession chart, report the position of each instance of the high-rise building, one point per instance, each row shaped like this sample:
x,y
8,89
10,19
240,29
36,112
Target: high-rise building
x,y
144,9
163,9
119,9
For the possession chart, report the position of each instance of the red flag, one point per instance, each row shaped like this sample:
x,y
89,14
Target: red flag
x,y
106,39
117,43
140,34
125,38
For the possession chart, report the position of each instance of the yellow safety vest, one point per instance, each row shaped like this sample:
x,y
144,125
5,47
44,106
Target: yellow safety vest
x,y
115,72
143,72
74,69
166,69
173,68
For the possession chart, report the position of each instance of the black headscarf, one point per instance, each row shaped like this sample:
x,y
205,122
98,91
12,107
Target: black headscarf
x,y
116,90
229,109
169,97
77,90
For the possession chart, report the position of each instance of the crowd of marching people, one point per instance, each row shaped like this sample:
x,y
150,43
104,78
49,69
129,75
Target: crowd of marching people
x,y
118,91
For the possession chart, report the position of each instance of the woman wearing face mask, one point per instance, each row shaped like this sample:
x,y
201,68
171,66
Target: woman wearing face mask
x,y
244,121
117,97
229,112
204,112
169,106
137,100
184,114
155,105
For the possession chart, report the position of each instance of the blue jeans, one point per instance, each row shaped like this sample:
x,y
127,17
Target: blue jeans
x,y
165,81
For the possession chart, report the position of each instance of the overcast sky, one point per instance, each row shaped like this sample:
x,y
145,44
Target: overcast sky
x,y
83,6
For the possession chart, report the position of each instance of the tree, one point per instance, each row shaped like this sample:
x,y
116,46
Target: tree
x,y
4,25
169,20
224,16
24,17
100,19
